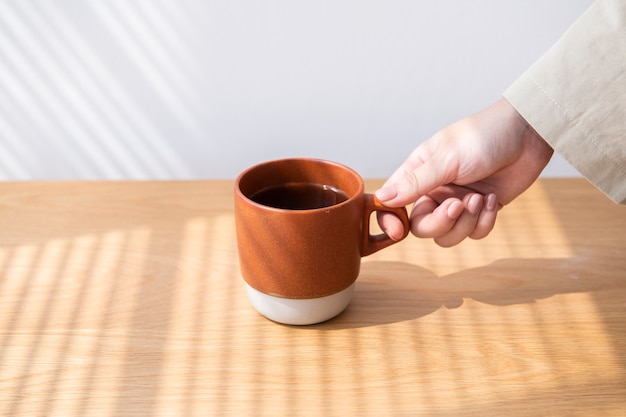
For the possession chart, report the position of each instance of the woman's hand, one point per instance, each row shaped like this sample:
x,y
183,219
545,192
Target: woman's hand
x,y
460,177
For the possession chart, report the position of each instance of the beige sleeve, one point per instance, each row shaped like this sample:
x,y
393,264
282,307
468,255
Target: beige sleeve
x,y
574,96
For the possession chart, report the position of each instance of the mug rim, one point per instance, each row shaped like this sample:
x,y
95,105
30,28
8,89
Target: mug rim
x,y
249,170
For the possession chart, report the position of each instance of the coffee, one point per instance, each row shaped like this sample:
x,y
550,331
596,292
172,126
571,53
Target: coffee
x,y
299,196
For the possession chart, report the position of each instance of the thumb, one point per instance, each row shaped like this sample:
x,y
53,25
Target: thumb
x,y
407,185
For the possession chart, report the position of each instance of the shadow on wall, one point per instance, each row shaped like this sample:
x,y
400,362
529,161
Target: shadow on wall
x,y
191,89
82,115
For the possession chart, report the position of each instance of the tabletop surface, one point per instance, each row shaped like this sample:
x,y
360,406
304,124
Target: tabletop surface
x,y
125,298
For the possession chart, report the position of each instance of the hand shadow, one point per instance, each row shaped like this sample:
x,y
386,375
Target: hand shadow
x,y
390,292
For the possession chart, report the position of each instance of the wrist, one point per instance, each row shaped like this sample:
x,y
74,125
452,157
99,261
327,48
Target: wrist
x,y
527,133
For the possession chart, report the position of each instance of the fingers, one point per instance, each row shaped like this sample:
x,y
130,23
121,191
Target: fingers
x,y
453,220
431,219
390,224
486,218
410,184
421,173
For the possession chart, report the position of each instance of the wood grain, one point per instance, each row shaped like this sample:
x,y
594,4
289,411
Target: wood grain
x,y
124,298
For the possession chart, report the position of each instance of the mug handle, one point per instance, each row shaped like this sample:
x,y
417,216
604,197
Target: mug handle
x,y
374,243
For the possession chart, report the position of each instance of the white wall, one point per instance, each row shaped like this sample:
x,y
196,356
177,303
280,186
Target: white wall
x,y
203,89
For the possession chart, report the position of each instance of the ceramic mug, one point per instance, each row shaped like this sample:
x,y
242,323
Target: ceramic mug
x,y
302,227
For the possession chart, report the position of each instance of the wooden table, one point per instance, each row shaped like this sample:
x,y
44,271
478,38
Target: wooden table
x,y
124,298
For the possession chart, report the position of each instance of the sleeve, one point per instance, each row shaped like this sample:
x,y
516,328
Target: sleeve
x,y
574,96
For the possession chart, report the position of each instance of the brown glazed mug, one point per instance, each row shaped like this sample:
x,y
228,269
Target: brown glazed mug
x,y
302,227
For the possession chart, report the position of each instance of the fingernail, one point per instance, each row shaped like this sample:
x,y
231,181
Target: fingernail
x,y
475,203
392,236
492,202
386,193
455,209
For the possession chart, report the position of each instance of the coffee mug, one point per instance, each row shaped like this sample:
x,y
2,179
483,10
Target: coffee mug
x,y
302,227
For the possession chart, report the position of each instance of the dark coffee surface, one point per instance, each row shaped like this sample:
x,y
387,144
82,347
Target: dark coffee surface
x,y
299,196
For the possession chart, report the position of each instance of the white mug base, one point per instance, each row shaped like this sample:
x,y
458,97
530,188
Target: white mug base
x,y
300,312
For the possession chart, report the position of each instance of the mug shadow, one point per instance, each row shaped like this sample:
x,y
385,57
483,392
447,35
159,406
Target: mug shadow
x,y
391,292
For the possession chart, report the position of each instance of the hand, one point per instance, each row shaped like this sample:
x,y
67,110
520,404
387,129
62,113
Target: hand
x,y
460,177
